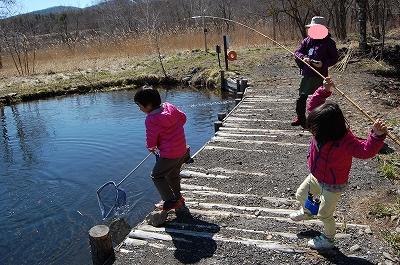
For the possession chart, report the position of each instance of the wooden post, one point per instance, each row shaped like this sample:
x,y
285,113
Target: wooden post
x,y
226,52
243,84
218,50
238,88
205,35
223,83
237,101
239,95
101,245
221,116
217,125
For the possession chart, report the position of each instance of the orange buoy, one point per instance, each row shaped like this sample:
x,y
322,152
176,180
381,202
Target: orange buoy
x,y
232,55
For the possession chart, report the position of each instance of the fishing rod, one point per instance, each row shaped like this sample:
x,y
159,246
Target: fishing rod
x,y
391,136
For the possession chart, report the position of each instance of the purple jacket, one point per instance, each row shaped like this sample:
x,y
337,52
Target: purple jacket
x,y
321,50
331,163
164,130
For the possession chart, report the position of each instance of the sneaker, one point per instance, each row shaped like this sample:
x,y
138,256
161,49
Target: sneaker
x,y
159,205
300,215
321,242
298,122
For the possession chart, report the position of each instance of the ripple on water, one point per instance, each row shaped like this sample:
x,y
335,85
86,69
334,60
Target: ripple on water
x,y
57,152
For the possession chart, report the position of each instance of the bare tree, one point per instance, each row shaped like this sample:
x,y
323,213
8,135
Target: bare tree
x,y
18,37
152,23
362,20
373,13
5,10
5,7
300,11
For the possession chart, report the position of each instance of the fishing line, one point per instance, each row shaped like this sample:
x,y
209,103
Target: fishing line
x,y
224,102
391,136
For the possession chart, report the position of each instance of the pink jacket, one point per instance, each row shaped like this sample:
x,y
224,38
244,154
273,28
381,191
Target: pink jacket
x,y
164,130
331,164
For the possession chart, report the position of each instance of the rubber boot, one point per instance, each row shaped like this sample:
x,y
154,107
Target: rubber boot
x,y
301,103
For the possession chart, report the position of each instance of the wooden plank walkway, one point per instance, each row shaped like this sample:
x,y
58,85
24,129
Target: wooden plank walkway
x,y
240,191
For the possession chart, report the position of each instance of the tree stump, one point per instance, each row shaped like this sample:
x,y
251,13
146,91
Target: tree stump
x,y
217,125
243,84
101,245
221,116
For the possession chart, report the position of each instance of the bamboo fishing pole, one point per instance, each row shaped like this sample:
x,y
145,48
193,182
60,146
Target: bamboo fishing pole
x,y
391,136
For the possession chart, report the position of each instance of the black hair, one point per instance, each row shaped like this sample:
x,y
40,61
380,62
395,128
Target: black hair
x,y
327,123
146,96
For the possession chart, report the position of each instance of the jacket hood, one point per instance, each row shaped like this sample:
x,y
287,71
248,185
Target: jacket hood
x,y
166,115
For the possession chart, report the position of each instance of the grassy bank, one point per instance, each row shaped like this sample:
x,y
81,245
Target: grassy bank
x,y
191,68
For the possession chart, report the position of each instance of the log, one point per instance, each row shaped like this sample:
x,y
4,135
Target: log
x,y
221,116
243,84
217,125
238,87
223,81
101,245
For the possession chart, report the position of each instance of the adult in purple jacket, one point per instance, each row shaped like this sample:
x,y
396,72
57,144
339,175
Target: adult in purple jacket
x,y
321,54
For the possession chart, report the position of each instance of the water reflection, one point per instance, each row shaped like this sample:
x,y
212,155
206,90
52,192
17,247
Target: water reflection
x,y
55,153
5,146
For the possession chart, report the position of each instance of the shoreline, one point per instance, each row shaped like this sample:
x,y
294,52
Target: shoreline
x,y
195,69
107,86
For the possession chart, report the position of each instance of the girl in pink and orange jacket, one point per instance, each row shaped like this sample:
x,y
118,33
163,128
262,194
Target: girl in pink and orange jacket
x,y
165,136
331,150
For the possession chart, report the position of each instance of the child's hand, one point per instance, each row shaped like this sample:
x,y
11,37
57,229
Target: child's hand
x,y
379,127
307,60
328,84
153,150
317,64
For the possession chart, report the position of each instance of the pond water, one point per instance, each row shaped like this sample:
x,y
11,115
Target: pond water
x,y
55,153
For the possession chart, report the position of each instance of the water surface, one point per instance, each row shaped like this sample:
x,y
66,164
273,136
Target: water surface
x,y
55,153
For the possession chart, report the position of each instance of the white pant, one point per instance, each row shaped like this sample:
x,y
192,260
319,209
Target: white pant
x,y
328,204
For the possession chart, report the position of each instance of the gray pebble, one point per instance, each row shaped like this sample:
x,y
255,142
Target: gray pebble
x,y
355,248
368,231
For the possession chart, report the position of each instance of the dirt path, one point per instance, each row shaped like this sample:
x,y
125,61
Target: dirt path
x,y
240,191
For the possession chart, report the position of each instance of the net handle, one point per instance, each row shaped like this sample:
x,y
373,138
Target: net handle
x,y
133,170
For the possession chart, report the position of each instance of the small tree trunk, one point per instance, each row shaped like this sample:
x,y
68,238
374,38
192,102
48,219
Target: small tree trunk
x,y
159,55
1,59
274,22
384,16
362,26
342,22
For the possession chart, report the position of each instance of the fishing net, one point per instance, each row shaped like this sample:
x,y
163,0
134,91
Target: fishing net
x,y
110,198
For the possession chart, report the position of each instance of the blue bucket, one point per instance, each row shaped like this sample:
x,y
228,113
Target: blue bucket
x,y
312,205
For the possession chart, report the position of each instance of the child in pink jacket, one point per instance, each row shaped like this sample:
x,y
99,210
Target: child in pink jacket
x,y
331,150
165,136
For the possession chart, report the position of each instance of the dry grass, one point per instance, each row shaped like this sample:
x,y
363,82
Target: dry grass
x,y
114,54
